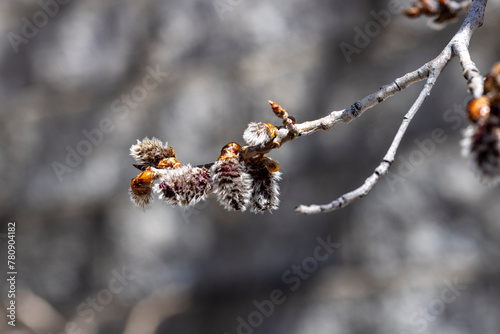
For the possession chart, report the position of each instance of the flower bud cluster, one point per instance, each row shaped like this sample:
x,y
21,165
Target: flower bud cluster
x,y
481,140
237,184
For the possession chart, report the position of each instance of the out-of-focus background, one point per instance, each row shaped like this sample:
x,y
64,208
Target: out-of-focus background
x,y
80,81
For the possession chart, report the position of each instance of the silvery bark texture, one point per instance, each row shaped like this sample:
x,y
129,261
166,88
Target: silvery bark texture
x,y
200,270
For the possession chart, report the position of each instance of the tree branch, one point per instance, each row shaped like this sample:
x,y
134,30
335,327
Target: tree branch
x,y
458,46
382,169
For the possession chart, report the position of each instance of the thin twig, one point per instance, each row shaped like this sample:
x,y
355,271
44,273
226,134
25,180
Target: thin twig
x,y
339,116
382,169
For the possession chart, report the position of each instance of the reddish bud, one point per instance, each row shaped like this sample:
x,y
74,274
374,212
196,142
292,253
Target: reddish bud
x,y
270,164
141,188
278,111
229,151
169,163
479,109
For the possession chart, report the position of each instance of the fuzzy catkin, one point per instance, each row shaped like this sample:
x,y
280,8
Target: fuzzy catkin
x,y
231,184
481,143
259,133
184,186
265,188
150,151
142,200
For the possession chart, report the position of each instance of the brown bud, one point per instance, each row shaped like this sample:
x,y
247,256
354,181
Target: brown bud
x,y
142,183
479,109
229,151
446,11
169,163
141,188
270,164
278,111
412,12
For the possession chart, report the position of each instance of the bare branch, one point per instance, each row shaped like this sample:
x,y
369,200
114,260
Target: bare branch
x,y
341,116
458,46
382,169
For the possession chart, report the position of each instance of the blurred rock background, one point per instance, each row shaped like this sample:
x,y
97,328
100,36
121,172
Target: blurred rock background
x,y
420,254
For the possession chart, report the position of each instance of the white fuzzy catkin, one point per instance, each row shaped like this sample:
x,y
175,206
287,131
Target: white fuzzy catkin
x,y
257,134
265,193
265,188
183,186
150,151
142,200
231,184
